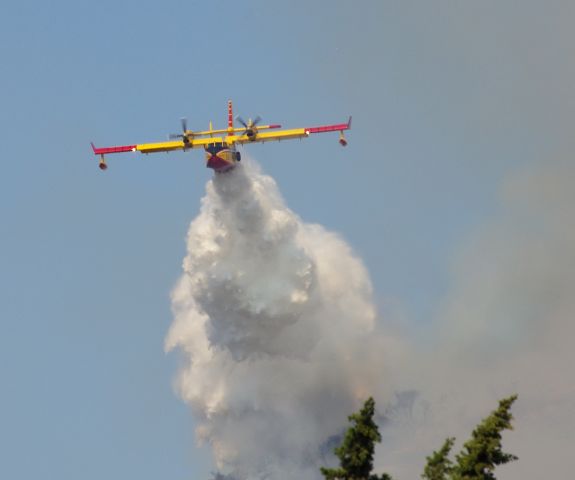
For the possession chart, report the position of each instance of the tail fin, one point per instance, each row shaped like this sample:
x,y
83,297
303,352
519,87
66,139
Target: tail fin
x,y
230,115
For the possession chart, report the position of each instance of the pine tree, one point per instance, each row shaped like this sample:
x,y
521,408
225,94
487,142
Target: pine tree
x,y
482,453
438,466
477,460
356,451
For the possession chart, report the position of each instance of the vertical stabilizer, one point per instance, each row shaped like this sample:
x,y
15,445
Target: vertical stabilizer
x,y
230,116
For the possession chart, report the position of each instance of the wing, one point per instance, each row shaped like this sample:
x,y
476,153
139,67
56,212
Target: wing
x,y
196,142
289,134
158,146
176,145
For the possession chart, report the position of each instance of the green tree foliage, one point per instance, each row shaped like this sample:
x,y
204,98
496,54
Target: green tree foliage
x,y
476,461
356,451
482,453
438,466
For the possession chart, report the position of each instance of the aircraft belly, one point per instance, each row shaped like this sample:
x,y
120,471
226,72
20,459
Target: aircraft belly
x,y
220,161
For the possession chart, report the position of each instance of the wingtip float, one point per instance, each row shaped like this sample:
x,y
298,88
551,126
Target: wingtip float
x,y
220,146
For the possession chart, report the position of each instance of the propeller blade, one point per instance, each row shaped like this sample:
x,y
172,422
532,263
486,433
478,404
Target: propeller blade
x,y
256,121
173,136
184,124
241,120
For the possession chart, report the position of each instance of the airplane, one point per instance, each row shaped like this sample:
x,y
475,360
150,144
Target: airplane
x,y
221,150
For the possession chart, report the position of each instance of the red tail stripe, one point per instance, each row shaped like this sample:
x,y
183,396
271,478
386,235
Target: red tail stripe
x,y
230,115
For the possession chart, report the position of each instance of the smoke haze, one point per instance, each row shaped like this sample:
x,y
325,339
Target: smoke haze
x,y
277,326
506,326
509,320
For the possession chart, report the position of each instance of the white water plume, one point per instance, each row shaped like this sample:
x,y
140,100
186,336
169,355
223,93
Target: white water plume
x,y
276,323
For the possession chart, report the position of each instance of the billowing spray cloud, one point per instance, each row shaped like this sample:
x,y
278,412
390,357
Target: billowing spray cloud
x,y
277,326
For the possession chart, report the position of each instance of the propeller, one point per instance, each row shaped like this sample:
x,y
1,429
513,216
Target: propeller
x,y
184,134
250,126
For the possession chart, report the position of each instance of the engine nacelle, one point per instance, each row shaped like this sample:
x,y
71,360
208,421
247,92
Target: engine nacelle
x,y
252,133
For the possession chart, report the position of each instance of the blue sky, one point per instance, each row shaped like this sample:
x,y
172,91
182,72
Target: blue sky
x,y
448,100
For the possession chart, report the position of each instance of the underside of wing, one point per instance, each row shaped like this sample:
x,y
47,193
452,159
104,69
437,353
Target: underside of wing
x,y
289,134
269,136
176,145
